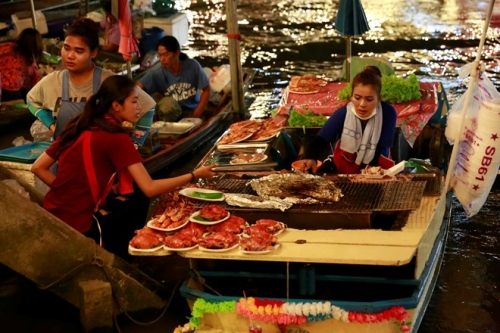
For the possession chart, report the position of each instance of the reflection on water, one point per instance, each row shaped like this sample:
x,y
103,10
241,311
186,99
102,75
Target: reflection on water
x,y
430,38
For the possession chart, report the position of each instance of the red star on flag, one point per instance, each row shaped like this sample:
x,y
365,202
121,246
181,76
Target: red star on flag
x,y
475,187
494,136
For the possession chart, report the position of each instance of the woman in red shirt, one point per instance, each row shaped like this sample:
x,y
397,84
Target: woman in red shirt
x,y
18,64
91,149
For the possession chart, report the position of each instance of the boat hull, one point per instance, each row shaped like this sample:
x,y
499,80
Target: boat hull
x,y
426,263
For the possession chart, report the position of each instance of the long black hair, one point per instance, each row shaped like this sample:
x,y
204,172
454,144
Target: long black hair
x,y
30,46
96,114
172,45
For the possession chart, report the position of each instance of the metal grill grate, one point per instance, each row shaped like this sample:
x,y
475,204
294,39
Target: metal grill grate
x,y
358,196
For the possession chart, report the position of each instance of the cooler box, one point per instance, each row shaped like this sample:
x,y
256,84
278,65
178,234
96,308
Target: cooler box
x,y
176,25
22,20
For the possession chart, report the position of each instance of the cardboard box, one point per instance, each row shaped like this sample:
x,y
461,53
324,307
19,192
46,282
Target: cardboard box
x,y
21,21
176,25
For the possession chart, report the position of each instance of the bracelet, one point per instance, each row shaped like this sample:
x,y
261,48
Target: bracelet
x,y
192,176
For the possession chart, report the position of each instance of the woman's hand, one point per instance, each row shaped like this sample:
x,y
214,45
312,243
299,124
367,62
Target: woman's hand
x,y
308,165
205,171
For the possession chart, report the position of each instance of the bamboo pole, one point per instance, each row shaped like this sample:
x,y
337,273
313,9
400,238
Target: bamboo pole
x,y
234,56
473,78
33,15
348,59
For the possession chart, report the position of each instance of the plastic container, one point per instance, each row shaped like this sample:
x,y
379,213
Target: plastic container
x,y
150,38
220,78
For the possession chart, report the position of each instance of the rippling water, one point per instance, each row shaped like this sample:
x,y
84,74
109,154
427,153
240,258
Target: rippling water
x,y
432,38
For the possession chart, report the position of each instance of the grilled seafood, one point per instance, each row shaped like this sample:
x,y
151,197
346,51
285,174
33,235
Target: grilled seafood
x,y
146,238
213,213
219,240
257,243
271,225
234,224
296,187
179,242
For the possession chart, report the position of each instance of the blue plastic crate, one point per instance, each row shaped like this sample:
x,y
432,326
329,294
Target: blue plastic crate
x,y
27,153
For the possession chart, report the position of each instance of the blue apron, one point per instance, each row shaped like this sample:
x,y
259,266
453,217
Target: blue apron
x,y
69,109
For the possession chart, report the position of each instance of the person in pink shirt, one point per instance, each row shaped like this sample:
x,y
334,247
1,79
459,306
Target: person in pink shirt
x,y
111,29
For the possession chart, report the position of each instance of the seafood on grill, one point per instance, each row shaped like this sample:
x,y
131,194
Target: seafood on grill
x,y
254,201
258,243
240,131
213,213
296,187
219,240
268,128
234,224
271,225
147,238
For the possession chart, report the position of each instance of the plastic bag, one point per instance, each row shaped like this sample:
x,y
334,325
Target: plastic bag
x,y
40,132
478,158
19,141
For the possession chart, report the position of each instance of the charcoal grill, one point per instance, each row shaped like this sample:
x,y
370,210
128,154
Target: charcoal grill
x,y
361,204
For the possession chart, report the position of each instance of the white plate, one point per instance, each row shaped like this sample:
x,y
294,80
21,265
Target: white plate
x,y
263,158
187,192
195,214
131,248
150,225
276,246
219,250
181,249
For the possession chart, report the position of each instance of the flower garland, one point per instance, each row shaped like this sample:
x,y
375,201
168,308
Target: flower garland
x,y
285,313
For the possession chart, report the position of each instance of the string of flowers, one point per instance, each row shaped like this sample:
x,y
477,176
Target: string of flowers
x,y
285,313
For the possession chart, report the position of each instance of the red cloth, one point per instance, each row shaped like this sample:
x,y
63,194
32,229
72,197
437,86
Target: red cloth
x,y
128,42
15,73
412,116
70,197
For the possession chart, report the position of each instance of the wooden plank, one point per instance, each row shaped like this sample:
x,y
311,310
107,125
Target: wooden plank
x,y
319,253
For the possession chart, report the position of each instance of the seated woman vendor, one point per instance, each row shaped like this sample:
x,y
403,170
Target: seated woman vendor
x,y
362,132
178,77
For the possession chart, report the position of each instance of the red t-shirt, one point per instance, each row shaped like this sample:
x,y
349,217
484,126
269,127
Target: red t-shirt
x,y
70,197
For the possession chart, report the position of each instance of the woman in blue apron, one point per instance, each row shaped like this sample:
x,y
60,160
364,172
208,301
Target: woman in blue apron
x,y
358,134
62,94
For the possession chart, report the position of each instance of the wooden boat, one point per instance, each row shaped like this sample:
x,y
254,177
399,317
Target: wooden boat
x,y
175,146
349,267
368,263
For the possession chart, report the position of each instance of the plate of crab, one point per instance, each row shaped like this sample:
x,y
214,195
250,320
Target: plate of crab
x,y
261,237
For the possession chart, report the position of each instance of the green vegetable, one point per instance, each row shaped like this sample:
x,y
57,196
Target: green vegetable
x,y
204,195
199,218
308,119
395,89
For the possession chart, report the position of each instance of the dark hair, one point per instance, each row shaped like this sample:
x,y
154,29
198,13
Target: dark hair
x,y
115,88
370,75
30,45
86,29
106,6
172,45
